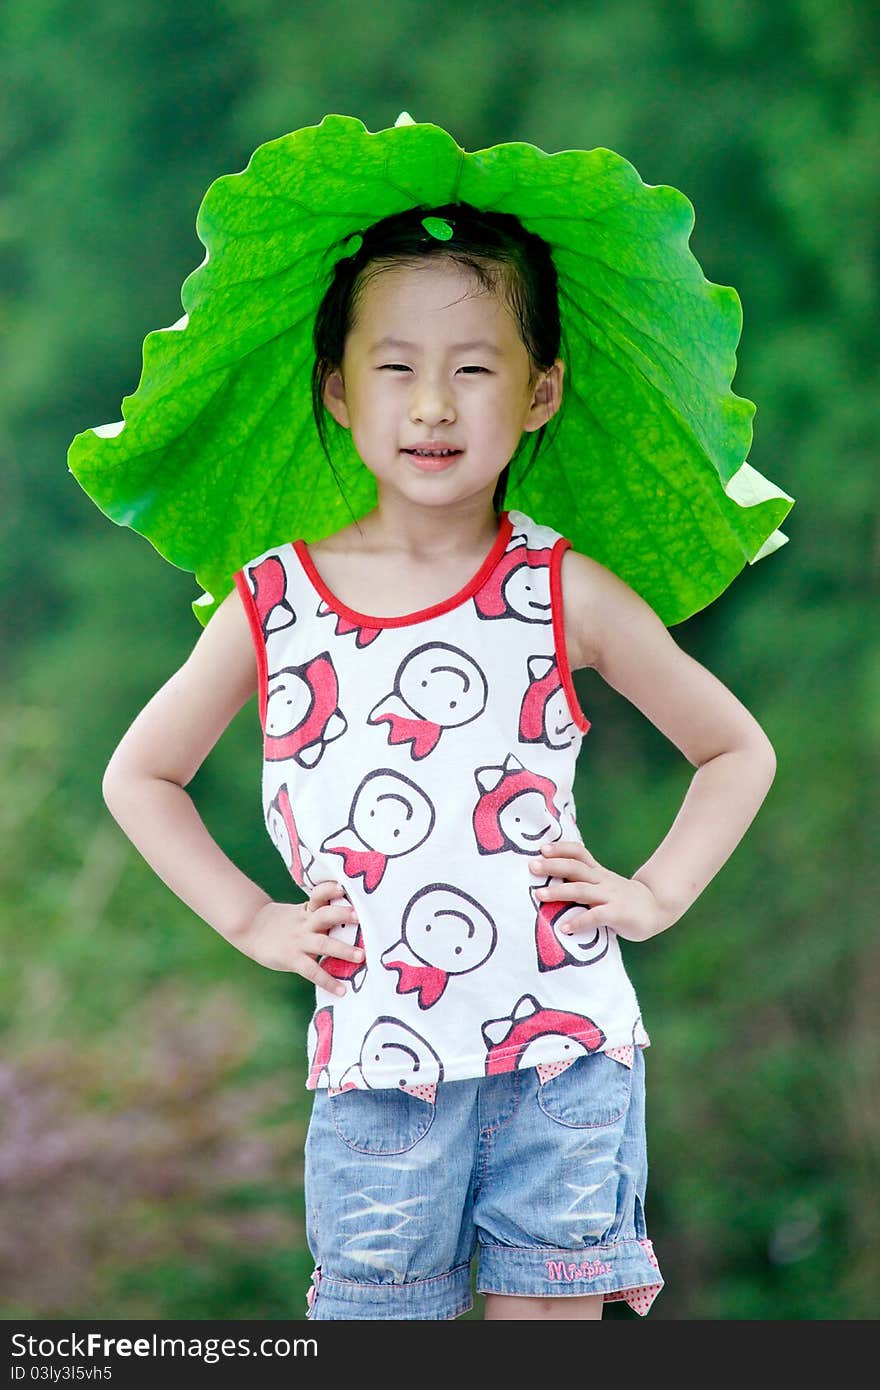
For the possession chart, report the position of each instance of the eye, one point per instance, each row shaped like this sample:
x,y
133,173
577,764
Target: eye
x,y
476,369
394,366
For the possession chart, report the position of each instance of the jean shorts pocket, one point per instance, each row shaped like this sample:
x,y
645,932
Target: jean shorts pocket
x,y
595,1090
386,1121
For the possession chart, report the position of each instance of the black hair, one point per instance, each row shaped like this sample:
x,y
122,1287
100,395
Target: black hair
x,y
493,245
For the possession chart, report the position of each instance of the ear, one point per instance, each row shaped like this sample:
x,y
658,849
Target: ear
x,y
547,398
334,399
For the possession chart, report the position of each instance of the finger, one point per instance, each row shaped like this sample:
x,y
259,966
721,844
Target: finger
x,y
337,914
324,892
574,849
311,970
333,946
584,893
563,868
587,921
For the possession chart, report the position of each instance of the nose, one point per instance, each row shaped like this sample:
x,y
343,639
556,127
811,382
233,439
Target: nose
x,y
431,403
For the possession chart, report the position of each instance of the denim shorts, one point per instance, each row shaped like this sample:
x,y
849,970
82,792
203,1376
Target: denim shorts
x,y
544,1179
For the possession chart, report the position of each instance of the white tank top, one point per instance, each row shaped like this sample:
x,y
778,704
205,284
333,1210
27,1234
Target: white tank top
x,y
421,761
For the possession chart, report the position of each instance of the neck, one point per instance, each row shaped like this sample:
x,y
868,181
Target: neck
x,y
431,533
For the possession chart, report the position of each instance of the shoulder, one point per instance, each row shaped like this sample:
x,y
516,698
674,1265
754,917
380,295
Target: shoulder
x,y
598,606
224,652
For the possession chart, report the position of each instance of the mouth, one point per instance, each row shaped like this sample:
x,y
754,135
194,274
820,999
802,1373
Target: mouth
x,y
432,460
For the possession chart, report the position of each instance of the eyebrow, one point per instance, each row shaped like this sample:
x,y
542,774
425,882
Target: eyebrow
x,y
456,347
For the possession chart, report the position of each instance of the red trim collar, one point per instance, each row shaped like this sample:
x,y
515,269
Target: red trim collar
x,y
499,545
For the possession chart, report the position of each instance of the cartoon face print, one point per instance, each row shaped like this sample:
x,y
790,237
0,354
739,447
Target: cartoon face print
x,y
519,586
282,830
394,1054
302,711
268,582
290,699
532,1035
436,687
585,946
560,729
448,928
390,816
445,932
527,592
526,822
515,810
443,684
544,715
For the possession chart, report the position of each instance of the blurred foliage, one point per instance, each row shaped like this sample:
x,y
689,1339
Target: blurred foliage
x,y
153,1079
168,1158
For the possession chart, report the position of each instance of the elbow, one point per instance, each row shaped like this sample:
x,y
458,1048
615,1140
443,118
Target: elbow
x,y
757,747
109,784
765,754
768,752
123,781
757,758
117,778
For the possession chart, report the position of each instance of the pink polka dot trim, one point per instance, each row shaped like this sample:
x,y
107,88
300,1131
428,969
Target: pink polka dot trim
x,y
641,1296
547,1070
623,1054
424,1092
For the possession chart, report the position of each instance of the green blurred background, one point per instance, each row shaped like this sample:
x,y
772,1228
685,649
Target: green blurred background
x,y
152,1078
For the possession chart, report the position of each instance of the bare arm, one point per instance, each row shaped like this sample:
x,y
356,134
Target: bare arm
x,y
618,634
143,787
162,751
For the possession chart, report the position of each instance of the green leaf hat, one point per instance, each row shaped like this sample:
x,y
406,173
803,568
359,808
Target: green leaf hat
x,y
217,457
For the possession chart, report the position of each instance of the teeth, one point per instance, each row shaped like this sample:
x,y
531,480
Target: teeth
x,y
432,453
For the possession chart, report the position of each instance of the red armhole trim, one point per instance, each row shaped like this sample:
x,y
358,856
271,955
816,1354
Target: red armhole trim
x,y
556,609
256,628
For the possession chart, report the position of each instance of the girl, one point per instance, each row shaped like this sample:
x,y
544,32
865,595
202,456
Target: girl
x,y
476,1051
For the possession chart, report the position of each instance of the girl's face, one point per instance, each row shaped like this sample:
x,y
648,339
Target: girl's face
x,y
456,374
